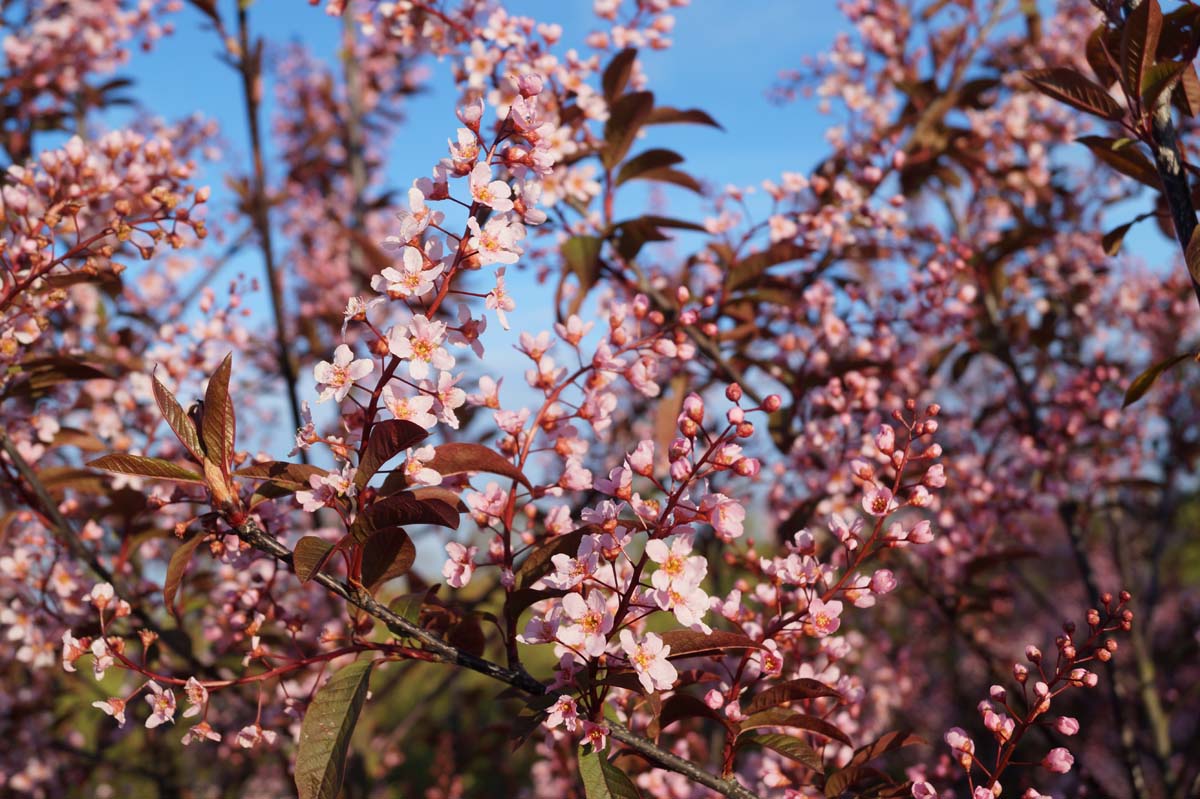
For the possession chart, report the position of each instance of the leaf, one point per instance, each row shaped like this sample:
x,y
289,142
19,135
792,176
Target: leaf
x,y
177,419
888,742
626,116
1142,383
788,746
461,458
1191,256
218,428
674,176
692,643
295,475
1097,58
603,780
582,257
310,556
685,706
617,73
1068,86
142,466
403,509
632,235
746,271
1189,98
1123,156
781,717
388,439
647,161
790,691
1139,43
666,115
326,730
45,373
1113,239
387,554
840,780
176,568
1158,79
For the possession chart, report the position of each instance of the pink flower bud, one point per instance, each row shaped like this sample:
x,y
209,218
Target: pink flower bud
x,y
530,85
1066,725
1058,760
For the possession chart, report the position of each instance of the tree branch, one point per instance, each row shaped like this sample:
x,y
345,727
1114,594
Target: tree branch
x,y
250,532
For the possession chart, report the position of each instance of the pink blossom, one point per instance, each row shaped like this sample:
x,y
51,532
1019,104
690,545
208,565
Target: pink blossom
x,y
493,193
592,623
563,713
197,696
499,300
114,707
252,735
1058,760
162,705
649,660
878,501
824,616
201,731
421,344
341,375
461,564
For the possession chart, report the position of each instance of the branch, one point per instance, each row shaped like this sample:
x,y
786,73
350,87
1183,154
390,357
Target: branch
x,y
250,532
249,67
64,532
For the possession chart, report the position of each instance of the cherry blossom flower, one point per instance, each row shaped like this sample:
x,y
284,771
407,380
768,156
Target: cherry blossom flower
x,y
498,299
201,731
102,658
824,617
421,344
461,565
73,649
563,713
341,375
415,469
649,659
415,409
726,515
252,735
492,193
411,280
162,705
879,501
592,623
114,707
468,331
197,696
496,241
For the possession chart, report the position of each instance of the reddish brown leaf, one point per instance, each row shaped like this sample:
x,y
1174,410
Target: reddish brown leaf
x,y
782,717
282,472
691,643
146,467
177,419
389,438
310,556
888,742
176,568
463,458
1068,86
1139,43
387,554
790,691
219,429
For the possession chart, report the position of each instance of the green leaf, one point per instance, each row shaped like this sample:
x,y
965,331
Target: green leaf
x,y
326,730
1139,43
626,116
1142,383
788,746
141,466
603,780
177,419
388,439
463,458
1158,79
219,428
389,553
176,568
310,556
1068,86
790,691
666,115
647,161
617,73
582,256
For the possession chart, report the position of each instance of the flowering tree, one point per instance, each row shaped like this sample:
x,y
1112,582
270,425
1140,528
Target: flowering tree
x,y
790,507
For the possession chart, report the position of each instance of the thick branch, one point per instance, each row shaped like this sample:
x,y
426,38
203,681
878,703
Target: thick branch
x,y
252,534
